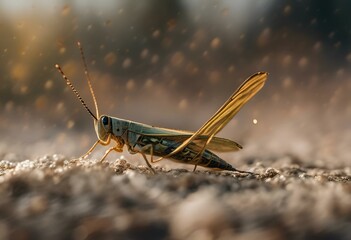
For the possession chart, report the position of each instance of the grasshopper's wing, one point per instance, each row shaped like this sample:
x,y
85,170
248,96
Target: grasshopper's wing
x,y
216,123
217,144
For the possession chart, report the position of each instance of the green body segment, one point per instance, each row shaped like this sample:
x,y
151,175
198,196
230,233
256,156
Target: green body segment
x,y
189,155
163,141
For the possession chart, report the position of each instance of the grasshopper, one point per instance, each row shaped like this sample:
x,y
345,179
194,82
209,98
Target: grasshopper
x,y
178,145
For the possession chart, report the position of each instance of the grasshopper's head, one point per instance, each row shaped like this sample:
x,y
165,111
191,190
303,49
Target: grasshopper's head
x,y
103,128
102,124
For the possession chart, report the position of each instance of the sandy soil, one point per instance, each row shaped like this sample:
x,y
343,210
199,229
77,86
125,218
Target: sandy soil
x,y
54,198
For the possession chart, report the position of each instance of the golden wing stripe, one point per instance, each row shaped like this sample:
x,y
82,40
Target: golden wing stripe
x,y
231,107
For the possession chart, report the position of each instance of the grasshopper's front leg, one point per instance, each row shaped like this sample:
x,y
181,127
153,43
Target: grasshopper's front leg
x,y
84,156
118,148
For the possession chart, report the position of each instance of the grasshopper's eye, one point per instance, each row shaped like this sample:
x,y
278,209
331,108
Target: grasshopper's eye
x,y
104,120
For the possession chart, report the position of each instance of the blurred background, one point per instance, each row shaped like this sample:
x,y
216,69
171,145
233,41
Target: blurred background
x,y
173,64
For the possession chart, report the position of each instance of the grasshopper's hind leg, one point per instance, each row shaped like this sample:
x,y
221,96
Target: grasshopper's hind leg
x,y
147,162
142,152
195,167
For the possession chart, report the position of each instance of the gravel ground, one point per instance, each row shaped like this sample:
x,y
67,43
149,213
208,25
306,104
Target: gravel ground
x,y
54,198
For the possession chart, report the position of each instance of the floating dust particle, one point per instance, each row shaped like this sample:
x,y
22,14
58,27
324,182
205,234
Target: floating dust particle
x,y
20,25
60,106
62,50
303,62
49,84
130,85
231,68
191,68
65,10
264,37
215,76
155,59
9,106
265,59
331,35
127,63
156,33
215,43
23,89
286,60
110,58
19,72
254,121
71,68
183,104
225,12
348,57
144,53
171,24
287,82
41,102
177,59
166,42
317,46
193,46
149,83
287,10
200,94
198,39
108,23
61,138
340,72
70,124
313,21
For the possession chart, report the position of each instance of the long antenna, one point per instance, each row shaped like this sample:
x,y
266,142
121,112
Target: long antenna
x,y
88,78
74,90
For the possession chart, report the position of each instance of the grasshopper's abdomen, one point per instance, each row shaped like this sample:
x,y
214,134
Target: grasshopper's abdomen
x,y
189,155
211,160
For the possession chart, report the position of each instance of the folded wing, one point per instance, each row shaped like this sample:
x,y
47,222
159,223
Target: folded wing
x,y
217,144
